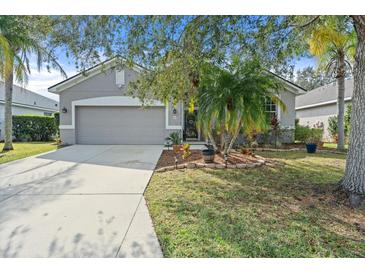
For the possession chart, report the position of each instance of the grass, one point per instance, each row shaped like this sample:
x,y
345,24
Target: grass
x,y
332,145
22,150
287,209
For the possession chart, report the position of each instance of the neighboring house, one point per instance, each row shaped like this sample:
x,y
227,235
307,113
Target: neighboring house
x,y
25,102
94,109
316,106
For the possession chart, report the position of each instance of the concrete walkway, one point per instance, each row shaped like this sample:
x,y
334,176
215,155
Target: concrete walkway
x,y
79,201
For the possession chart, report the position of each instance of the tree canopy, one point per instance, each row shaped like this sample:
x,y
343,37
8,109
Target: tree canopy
x,y
174,49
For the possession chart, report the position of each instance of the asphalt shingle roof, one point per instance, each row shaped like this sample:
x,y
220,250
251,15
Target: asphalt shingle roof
x,y
323,94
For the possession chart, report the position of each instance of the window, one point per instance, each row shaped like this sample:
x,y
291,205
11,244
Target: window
x,y
47,113
270,108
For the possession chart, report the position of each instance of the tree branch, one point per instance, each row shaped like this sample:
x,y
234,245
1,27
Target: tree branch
x,y
307,23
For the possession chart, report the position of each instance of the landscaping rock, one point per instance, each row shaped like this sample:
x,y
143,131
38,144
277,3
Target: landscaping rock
x,y
181,166
200,165
162,169
210,165
231,166
219,166
191,165
251,165
241,166
169,168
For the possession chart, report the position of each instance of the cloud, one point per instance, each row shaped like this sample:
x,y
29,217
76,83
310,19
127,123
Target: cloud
x,y
40,81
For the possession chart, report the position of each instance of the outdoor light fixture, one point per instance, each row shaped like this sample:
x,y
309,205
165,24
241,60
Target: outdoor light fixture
x,y
64,110
174,111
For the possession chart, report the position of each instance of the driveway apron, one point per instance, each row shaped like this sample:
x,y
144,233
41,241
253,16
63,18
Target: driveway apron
x,y
79,201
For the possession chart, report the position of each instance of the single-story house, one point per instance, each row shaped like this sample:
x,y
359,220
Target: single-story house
x,y
25,102
316,106
95,109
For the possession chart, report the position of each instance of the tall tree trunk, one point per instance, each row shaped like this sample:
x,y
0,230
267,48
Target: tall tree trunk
x,y
8,145
354,179
341,103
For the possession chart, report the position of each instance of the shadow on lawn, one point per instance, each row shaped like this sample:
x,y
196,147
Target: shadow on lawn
x,y
285,211
300,155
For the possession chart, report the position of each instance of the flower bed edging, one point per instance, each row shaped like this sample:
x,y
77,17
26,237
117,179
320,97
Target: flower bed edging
x,y
260,162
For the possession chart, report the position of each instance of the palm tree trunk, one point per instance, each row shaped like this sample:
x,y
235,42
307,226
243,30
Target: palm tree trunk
x,y
227,141
341,103
354,180
222,136
8,139
211,138
234,137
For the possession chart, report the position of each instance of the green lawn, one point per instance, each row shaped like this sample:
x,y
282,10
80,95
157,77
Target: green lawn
x,y
284,210
22,150
332,145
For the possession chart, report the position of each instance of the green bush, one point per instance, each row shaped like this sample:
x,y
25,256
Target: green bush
x,y
301,133
332,126
34,127
305,134
333,122
56,116
315,136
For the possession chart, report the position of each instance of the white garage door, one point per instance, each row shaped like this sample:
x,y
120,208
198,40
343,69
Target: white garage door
x,y
119,125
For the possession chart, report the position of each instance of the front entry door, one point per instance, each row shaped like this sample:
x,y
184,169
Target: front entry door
x,y
191,129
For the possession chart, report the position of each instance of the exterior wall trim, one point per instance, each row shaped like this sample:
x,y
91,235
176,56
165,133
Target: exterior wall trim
x,y
321,104
114,101
167,120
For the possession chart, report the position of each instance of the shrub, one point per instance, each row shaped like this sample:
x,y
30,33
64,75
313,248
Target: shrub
x,y
34,127
333,122
348,119
315,136
174,138
56,116
301,133
332,127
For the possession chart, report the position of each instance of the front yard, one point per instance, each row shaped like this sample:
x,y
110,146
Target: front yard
x,y
22,150
287,209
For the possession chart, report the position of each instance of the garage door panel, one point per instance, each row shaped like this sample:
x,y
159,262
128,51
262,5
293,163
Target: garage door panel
x,y
119,125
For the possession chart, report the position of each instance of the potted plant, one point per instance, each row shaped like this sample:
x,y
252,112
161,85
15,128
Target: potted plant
x,y
313,139
208,153
175,140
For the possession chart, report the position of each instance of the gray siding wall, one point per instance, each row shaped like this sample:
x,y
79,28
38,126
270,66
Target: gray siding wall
x,y
287,118
68,136
101,85
312,116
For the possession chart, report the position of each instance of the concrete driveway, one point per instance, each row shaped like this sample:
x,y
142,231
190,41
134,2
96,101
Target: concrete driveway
x,y
79,201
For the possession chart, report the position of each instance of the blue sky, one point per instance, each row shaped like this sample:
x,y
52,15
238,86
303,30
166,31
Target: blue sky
x,y
40,81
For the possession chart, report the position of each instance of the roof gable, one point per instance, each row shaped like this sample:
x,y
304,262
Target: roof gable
x,y
87,74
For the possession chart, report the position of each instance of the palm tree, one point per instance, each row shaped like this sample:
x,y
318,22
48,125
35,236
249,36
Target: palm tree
x,y
233,99
334,44
21,38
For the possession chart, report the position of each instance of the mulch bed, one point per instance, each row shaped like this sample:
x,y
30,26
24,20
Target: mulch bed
x,y
168,158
